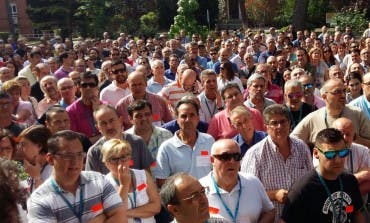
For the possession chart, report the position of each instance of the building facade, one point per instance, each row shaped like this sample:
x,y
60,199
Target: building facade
x,y
14,18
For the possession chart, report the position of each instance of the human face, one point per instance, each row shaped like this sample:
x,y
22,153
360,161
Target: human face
x,y
355,57
187,118
242,123
158,70
330,167
5,75
115,160
142,119
50,86
225,169
257,89
137,85
80,66
293,97
174,62
68,161
366,86
25,88
335,97
58,121
356,67
210,84
108,123
354,87
301,57
232,97
6,107
194,209
89,88
120,73
29,150
67,89
278,128
188,82
6,148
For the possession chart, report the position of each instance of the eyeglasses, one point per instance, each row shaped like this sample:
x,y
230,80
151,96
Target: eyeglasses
x,y
115,54
366,83
231,96
86,85
196,196
295,95
331,154
66,88
222,68
309,85
122,70
276,123
338,91
71,156
118,160
228,156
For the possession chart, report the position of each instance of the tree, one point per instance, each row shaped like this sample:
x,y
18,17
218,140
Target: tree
x,y
300,14
53,14
149,24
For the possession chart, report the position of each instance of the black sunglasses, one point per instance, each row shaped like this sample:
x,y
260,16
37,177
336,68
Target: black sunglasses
x,y
90,85
228,156
119,71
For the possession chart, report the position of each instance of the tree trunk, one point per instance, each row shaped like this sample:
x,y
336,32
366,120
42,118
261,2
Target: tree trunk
x,y
243,12
300,14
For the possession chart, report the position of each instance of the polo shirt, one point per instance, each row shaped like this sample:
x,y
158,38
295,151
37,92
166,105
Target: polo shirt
x,y
257,136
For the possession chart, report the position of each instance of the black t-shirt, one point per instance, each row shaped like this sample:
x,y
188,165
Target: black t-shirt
x,y
297,116
309,202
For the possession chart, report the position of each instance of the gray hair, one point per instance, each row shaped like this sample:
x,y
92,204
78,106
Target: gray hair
x,y
292,83
254,77
275,109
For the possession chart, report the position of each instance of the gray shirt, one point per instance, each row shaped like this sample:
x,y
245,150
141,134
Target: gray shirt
x,y
141,157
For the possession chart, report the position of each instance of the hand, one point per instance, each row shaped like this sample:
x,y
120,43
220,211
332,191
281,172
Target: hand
x,y
95,102
98,219
281,195
33,170
218,99
23,115
124,175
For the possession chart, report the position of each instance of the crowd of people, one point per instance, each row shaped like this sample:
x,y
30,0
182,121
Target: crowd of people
x,y
240,126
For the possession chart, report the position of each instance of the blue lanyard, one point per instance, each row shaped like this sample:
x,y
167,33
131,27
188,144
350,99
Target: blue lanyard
x,y
70,206
326,117
235,215
292,117
209,110
335,214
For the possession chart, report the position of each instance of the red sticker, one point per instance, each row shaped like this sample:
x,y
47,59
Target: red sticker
x,y
349,209
156,117
141,187
131,163
97,207
204,153
154,164
213,210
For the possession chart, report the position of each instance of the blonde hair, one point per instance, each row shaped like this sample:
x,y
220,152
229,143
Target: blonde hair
x,y
114,147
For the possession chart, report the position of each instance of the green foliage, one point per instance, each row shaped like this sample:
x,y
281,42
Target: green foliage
x,y
185,19
4,35
149,24
353,17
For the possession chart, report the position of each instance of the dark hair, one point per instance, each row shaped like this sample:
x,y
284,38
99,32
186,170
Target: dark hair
x,y
34,53
275,109
63,56
229,86
168,190
329,136
332,59
54,109
53,142
4,94
229,70
117,62
186,101
137,106
356,50
37,134
109,107
5,133
89,75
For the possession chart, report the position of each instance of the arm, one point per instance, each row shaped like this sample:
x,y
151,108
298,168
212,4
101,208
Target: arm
x,y
117,215
277,195
152,207
267,217
358,217
362,141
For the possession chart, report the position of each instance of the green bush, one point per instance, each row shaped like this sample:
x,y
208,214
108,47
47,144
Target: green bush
x,y
4,35
352,17
149,24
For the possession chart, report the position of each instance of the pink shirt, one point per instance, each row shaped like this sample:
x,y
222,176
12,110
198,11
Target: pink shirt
x,y
81,118
221,128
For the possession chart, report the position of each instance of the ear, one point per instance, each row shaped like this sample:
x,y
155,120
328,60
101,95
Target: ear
x,y
212,159
172,209
50,159
131,119
315,153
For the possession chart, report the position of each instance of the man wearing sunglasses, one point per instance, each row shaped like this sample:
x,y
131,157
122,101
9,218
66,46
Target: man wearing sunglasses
x,y
334,94
311,93
327,193
232,196
118,88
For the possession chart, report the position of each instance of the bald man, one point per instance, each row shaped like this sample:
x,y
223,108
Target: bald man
x,y
67,90
137,85
229,190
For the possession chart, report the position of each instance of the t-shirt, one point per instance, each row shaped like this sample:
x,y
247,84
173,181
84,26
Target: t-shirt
x,y
309,202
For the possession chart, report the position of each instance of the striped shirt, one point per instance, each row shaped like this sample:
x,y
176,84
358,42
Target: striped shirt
x,y
47,205
173,93
265,161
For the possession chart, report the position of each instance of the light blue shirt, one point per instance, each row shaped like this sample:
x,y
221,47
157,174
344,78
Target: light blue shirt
x,y
363,104
174,156
155,87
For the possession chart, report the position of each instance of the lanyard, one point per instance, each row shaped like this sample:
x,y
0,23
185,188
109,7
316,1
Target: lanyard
x,y
335,214
326,117
70,206
292,117
209,110
235,215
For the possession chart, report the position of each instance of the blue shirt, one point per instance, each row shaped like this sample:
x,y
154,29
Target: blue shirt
x,y
257,136
170,75
363,104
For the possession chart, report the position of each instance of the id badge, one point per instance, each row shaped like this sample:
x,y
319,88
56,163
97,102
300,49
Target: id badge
x,y
137,220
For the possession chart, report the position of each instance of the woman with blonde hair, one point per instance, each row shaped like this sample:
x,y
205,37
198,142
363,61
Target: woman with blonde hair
x,y
322,70
136,187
